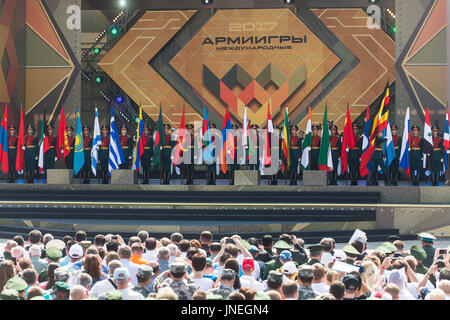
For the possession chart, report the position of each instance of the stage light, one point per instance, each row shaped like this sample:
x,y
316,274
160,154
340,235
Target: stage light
x,y
119,99
207,1
122,3
96,51
288,1
98,79
394,29
114,31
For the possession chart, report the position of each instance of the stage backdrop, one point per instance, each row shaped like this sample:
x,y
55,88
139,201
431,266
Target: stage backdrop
x,y
255,58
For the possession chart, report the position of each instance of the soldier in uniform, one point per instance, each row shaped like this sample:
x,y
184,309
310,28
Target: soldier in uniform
x,y
127,147
166,155
254,147
378,161
226,284
295,150
144,276
183,287
50,155
31,153
87,145
273,179
420,255
304,277
354,156
70,156
335,145
351,253
18,284
12,153
236,164
437,157
427,245
276,262
315,147
147,141
211,168
103,155
416,148
189,145
393,168
315,253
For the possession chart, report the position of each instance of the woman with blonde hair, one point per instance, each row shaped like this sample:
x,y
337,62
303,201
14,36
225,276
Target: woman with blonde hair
x,y
370,275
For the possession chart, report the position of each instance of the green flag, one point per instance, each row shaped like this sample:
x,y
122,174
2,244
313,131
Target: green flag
x,y
158,140
307,142
325,158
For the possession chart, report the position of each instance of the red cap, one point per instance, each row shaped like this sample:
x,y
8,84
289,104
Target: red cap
x,y
248,264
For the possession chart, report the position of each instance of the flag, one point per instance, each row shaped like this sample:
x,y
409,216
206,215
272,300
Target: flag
x,y
381,119
227,142
62,141
245,134
404,154
447,132
159,134
96,143
44,146
286,143
207,154
181,140
367,147
115,149
390,149
348,141
4,142
78,161
269,130
20,143
427,135
307,142
139,149
325,158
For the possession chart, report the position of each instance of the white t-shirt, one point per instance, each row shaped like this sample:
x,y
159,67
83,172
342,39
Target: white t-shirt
x,y
101,287
128,294
132,269
250,282
205,284
150,256
320,288
326,258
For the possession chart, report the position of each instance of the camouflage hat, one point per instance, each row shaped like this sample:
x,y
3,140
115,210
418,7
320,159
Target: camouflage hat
x,y
16,283
144,271
350,250
383,249
418,252
177,267
275,276
61,287
61,274
227,274
214,297
388,245
282,245
305,271
114,295
53,253
38,298
9,294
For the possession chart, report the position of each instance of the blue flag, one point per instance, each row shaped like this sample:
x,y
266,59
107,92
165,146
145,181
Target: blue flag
x,y
115,149
79,146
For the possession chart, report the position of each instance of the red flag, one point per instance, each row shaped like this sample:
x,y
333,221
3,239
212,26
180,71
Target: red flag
x,y
20,144
62,142
269,129
227,141
4,142
348,141
181,141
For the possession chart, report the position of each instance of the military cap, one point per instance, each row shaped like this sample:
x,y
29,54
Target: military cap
x,y
123,126
50,126
39,298
189,126
351,282
227,274
355,126
61,274
214,297
384,249
235,125
275,276
261,296
11,126
177,267
315,126
166,125
305,271
434,128
350,250
30,126
389,246
330,122
418,252
70,127
114,295
144,271
393,238
414,127
281,245
333,126
53,253
394,126
426,237
56,243
9,294
16,283
254,126
294,126
315,247
302,131
86,127
105,127
61,287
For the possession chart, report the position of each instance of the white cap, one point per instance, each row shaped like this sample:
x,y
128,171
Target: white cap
x,y
289,268
76,251
59,244
340,255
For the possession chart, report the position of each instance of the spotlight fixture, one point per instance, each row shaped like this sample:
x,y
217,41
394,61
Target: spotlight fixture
x,y
207,1
96,51
114,31
288,1
122,3
119,99
98,79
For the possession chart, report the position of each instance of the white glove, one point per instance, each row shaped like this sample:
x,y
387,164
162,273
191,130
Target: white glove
x,y
347,150
409,149
35,158
23,148
160,148
56,158
442,160
62,151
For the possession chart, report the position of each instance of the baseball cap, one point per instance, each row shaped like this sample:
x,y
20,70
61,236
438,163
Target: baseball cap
x,y
248,264
351,282
305,271
76,251
286,256
121,273
227,274
289,268
253,249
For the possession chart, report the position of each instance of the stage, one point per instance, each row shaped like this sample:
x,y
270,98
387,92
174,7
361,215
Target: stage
x,y
307,212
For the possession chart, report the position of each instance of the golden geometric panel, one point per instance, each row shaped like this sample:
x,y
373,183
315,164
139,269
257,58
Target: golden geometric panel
x,y
376,53
235,26
127,63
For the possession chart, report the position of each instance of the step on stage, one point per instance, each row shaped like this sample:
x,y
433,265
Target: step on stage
x,y
251,211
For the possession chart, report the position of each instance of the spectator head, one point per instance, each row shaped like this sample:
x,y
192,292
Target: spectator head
x,y
85,280
305,275
228,277
184,245
19,240
196,244
112,256
199,295
18,252
125,252
274,280
191,251
267,241
76,252
325,296
290,290
337,289
35,251
150,244
248,293
444,274
80,235
223,258
236,296
358,245
9,245
232,249
177,270
29,276
400,245
99,240
137,248
143,235
67,238
393,290
25,263
214,248
7,271
273,295
320,272
176,238
435,294
112,245
165,242
327,244
155,267
198,262
289,269
144,274
285,256
253,242
352,285
173,249
163,254
34,237
51,267
248,266
332,276
121,277
166,293
206,237
315,251
79,292
286,238
112,266
61,291
46,238
61,275
444,285
92,250
34,292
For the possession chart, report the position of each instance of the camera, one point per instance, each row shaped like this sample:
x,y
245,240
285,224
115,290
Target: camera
x,y
440,263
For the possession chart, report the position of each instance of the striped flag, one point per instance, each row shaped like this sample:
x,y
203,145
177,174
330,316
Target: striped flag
x,y
4,142
325,158
269,129
404,154
96,143
20,144
159,135
115,149
447,132
348,141
44,146
427,135
79,146
139,150
207,153
227,141
307,142
286,143
381,119
390,149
